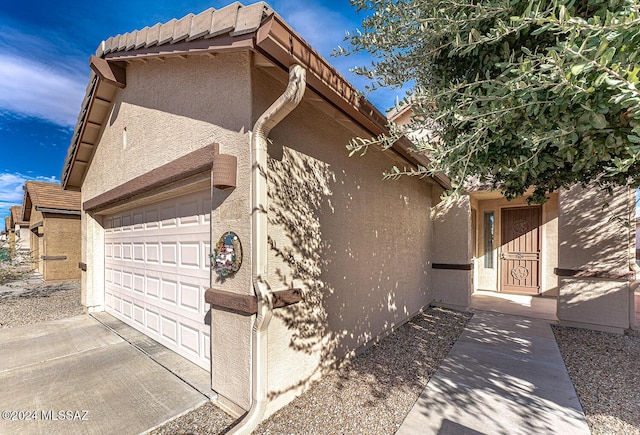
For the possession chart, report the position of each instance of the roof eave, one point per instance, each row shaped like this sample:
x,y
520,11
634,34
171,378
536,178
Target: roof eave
x,y
278,42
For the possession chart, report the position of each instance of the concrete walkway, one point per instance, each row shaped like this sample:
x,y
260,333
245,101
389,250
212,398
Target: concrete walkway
x,y
77,375
504,375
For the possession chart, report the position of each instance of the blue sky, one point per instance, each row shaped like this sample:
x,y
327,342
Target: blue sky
x,y
44,52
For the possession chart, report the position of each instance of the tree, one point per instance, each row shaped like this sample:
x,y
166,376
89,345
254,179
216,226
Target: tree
x,y
517,93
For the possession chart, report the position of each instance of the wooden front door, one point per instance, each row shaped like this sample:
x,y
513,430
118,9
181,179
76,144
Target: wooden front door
x,y
520,250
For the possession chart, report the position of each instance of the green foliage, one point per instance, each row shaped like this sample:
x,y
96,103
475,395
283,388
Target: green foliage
x,y
515,93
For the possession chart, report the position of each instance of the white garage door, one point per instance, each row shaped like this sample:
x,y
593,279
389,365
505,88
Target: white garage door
x,y
157,270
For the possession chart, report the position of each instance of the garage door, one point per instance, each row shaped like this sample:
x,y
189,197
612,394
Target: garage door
x,y
157,270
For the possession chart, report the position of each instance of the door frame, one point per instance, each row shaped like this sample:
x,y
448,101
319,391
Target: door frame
x,y
501,244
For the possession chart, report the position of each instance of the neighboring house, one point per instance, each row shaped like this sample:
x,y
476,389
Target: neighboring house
x,y
53,215
10,237
20,229
225,133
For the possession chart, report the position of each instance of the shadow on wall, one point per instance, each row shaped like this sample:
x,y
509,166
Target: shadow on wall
x,y
595,230
298,189
595,239
326,239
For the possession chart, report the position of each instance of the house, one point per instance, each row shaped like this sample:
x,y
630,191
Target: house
x,y
6,235
10,237
20,230
222,217
578,248
53,217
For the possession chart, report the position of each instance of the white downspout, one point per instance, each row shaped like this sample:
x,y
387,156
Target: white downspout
x,y
259,205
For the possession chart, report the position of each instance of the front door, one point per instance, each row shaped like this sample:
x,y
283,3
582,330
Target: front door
x,y
520,250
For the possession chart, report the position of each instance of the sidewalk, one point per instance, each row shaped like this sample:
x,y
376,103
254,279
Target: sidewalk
x,y
504,375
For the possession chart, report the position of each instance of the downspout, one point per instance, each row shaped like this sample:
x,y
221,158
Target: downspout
x,y
259,206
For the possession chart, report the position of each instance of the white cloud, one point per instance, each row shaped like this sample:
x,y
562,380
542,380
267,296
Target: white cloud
x,y
30,88
323,28
11,192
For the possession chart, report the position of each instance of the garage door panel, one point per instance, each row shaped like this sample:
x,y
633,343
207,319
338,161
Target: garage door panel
x,y
138,315
169,329
157,270
127,280
190,297
189,338
169,292
127,308
138,283
169,254
138,252
190,255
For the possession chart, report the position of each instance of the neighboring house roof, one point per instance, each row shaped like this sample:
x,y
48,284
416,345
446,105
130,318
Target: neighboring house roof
x,y
7,224
233,28
49,197
16,215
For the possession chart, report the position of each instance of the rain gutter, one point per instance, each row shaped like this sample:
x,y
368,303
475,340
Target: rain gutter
x,y
259,206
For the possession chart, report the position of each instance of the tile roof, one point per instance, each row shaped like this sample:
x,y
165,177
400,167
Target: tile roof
x,y
254,27
51,196
234,19
16,215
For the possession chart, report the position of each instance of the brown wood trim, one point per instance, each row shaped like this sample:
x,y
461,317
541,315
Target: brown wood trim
x,y
53,257
287,297
602,274
447,266
248,304
242,304
183,167
82,266
109,72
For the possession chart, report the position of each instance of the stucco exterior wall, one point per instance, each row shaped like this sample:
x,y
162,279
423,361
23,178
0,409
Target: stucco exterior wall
x,y
92,254
36,240
169,109
452,243
23,241
597,242
358,246
61,239
35,250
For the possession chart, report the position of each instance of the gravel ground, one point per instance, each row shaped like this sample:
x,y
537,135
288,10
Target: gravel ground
x,y
371,394
207,419
39,302
605,371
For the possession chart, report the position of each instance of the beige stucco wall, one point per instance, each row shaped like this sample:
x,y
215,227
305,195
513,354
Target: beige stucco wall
x,y
489,278
452,243
92,255
167,110
36,240
24,241
595,238
61,239
358,246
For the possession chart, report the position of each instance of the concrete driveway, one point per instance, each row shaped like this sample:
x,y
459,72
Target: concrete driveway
x,y
89,374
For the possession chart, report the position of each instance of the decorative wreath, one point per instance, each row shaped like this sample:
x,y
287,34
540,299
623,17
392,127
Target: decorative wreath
x,y
227,255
